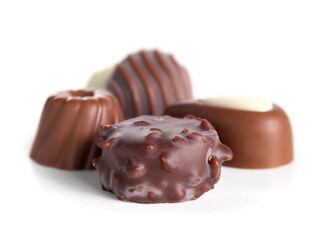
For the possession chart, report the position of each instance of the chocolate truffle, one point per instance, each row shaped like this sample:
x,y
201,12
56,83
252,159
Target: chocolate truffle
x,y
146,83
69,125
152,159
257,131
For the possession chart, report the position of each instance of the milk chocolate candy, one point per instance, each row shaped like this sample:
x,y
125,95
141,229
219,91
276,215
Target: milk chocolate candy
x,y
152,159
257,131
145,82
69,126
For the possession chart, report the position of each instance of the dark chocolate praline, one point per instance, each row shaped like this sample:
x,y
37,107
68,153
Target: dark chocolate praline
x,y
152,159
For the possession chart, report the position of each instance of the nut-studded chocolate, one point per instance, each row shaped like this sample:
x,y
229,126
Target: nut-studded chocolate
x,y
163,159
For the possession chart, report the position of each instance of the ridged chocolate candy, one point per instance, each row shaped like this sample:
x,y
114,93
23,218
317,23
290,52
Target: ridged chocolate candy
x,y
68,127
149,81
152,159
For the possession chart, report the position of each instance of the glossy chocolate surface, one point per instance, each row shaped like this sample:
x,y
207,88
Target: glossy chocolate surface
x,y
69,125
257,139
152,159
149,81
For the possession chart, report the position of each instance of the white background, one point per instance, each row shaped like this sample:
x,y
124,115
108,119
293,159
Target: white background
x,y
263,48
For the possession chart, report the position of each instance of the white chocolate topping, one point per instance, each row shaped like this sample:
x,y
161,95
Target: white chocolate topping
x,y
246,103
100,79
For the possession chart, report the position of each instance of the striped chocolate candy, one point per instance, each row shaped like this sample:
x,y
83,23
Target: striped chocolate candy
x,y
149,81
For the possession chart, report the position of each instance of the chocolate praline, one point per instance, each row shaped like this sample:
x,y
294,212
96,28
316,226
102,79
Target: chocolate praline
x,y
258,139
145,82
68,127
152,159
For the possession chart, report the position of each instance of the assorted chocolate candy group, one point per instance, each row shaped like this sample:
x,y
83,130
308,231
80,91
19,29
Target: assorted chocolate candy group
x,y
120,126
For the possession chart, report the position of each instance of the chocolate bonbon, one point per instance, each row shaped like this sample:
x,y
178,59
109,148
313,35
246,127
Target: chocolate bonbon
x,y
69,125
257,131
146,83
151,159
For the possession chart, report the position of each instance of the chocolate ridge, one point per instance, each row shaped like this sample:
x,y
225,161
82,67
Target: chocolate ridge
x,y
150,93
131,83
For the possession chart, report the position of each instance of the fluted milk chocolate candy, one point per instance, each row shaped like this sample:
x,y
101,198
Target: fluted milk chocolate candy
x,y
145,82
257,131
69,125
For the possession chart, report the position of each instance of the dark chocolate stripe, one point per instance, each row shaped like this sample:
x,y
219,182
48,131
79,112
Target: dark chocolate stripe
x,y
188,83
131,83
169,73
183,83
149,87
164,89
116,89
